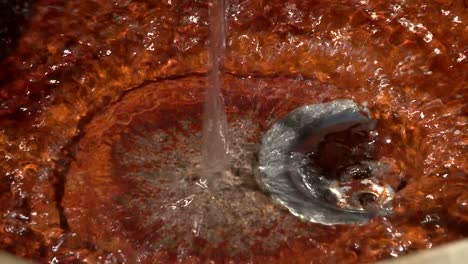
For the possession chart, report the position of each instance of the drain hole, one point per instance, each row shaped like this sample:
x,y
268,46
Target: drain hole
x,y
367,199
342,155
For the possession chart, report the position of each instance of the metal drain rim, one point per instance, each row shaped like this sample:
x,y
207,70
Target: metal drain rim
x,y
274,174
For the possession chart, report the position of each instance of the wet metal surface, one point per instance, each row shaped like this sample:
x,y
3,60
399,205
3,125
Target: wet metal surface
x,y
99,104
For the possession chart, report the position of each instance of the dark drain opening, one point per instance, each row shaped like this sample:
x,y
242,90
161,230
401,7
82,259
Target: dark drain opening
x,y
344,156
340,154
366,199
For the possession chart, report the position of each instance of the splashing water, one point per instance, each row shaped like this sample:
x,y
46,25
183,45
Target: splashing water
x,y
215,142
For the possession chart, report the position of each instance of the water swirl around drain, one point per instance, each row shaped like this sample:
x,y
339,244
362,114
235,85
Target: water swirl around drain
x,y
318,163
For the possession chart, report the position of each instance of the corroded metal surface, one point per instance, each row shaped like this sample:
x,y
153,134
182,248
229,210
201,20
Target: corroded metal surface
x,y
78,60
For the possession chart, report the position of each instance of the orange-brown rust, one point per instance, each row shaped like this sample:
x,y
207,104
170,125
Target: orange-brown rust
x,y
88,79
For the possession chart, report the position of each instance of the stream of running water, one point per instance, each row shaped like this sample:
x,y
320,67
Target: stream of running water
x,y
215,145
